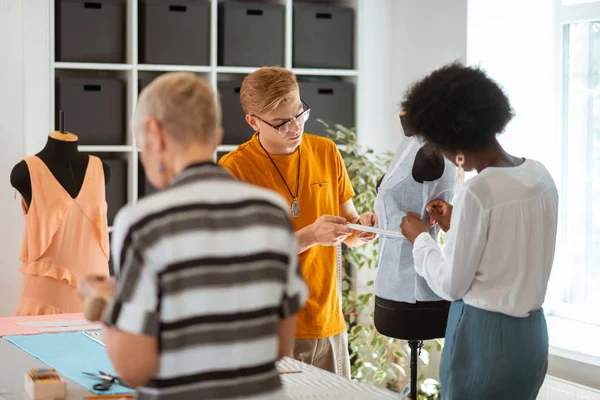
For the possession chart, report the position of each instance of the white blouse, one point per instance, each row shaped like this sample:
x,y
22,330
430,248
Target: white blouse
x,y
500,247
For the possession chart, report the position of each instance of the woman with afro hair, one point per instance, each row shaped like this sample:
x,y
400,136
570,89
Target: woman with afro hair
x,y
501,235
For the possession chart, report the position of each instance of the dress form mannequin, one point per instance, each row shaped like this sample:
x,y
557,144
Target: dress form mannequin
x,y
63,159
66,231
409,311
422,320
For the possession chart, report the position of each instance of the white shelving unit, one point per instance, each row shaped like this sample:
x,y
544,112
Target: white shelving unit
x,y
106,149
131,71
93,66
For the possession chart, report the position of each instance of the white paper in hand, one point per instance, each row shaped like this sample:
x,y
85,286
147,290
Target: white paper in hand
x,y
372,229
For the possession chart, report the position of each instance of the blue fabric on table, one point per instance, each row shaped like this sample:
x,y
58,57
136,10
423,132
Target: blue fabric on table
x,y
70,353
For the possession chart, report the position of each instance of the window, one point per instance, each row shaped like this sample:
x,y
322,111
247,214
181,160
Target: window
x,y
579,288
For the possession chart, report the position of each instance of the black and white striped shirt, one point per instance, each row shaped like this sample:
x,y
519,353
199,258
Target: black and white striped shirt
x,y
208,266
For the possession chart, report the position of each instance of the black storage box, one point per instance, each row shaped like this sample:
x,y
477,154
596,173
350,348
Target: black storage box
x,y
143,82
332,102
251,34
145,188
94,109
90,31
220,155
236,129
174,32
323,37
116,189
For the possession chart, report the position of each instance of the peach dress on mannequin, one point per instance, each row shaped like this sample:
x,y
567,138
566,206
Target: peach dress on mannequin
x,y
65,238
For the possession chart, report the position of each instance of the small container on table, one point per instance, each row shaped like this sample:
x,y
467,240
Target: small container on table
x,y
45,384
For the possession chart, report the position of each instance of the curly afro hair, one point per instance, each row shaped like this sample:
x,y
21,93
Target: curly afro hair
x,y
456,108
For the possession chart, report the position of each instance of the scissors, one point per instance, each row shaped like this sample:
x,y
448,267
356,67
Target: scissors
x,y
107,380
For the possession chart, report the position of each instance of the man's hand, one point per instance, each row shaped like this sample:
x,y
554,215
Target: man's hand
x,y
329,230
440,213
96,286
412,226
367,219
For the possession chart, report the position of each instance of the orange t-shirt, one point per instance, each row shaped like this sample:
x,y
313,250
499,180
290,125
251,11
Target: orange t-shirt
x,y
324,185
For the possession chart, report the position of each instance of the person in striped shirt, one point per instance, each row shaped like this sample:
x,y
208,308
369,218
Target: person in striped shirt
x,y
207,278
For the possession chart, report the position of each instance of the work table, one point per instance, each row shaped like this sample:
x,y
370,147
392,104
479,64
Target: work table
x,y
309,383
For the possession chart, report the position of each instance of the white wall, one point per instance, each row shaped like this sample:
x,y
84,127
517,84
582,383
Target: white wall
x,y
11,149
427,35
376,69
401,41
514,41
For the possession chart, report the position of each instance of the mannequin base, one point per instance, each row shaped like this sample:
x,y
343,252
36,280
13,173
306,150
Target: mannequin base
x,y
407,321
413,322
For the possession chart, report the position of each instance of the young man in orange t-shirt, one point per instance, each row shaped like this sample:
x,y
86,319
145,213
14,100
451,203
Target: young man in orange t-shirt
x,y
309,172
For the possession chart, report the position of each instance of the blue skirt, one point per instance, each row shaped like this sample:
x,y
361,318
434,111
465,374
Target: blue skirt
x,y
489,355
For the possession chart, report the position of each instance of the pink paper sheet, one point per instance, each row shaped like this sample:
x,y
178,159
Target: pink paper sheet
x,y
9,325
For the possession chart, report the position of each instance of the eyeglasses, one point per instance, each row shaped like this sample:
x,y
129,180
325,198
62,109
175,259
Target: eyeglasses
x,y
286,127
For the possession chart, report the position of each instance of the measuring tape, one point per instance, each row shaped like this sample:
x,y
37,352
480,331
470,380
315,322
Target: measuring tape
x,y
341,341
372,229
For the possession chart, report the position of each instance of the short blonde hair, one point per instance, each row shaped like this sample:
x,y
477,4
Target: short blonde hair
x,y
266,88
185,105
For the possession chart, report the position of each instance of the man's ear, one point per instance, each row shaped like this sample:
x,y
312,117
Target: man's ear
x,y
251,120
155,134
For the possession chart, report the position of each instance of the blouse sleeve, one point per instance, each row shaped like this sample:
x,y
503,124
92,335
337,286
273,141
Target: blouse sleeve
x,y
450,272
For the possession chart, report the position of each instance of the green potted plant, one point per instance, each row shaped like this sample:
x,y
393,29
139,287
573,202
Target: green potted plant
x,y
375,358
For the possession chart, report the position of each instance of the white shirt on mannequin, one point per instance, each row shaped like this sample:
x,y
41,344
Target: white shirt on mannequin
x,y
398,194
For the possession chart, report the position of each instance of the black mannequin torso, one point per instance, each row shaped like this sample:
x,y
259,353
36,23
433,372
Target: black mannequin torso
x,y
420,320
429,164
66,163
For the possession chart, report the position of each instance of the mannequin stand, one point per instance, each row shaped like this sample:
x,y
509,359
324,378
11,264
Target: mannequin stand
x,y
415,349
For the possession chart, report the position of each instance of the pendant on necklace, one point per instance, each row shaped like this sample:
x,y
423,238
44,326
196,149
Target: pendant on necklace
x,y
295,208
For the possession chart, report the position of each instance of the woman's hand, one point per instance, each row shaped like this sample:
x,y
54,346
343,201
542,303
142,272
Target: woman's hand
x,y
368,219
440,213
96,286
412,226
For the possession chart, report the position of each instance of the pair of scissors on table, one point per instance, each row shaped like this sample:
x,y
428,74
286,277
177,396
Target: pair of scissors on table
x,y
107,380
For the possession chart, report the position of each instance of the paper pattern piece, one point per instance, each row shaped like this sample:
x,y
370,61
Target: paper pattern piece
x,y
54,323
96,336
14,325
380,232
70,328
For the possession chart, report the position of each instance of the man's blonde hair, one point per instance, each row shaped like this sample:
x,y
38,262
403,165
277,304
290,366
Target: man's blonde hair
x,y
184,104
266,88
